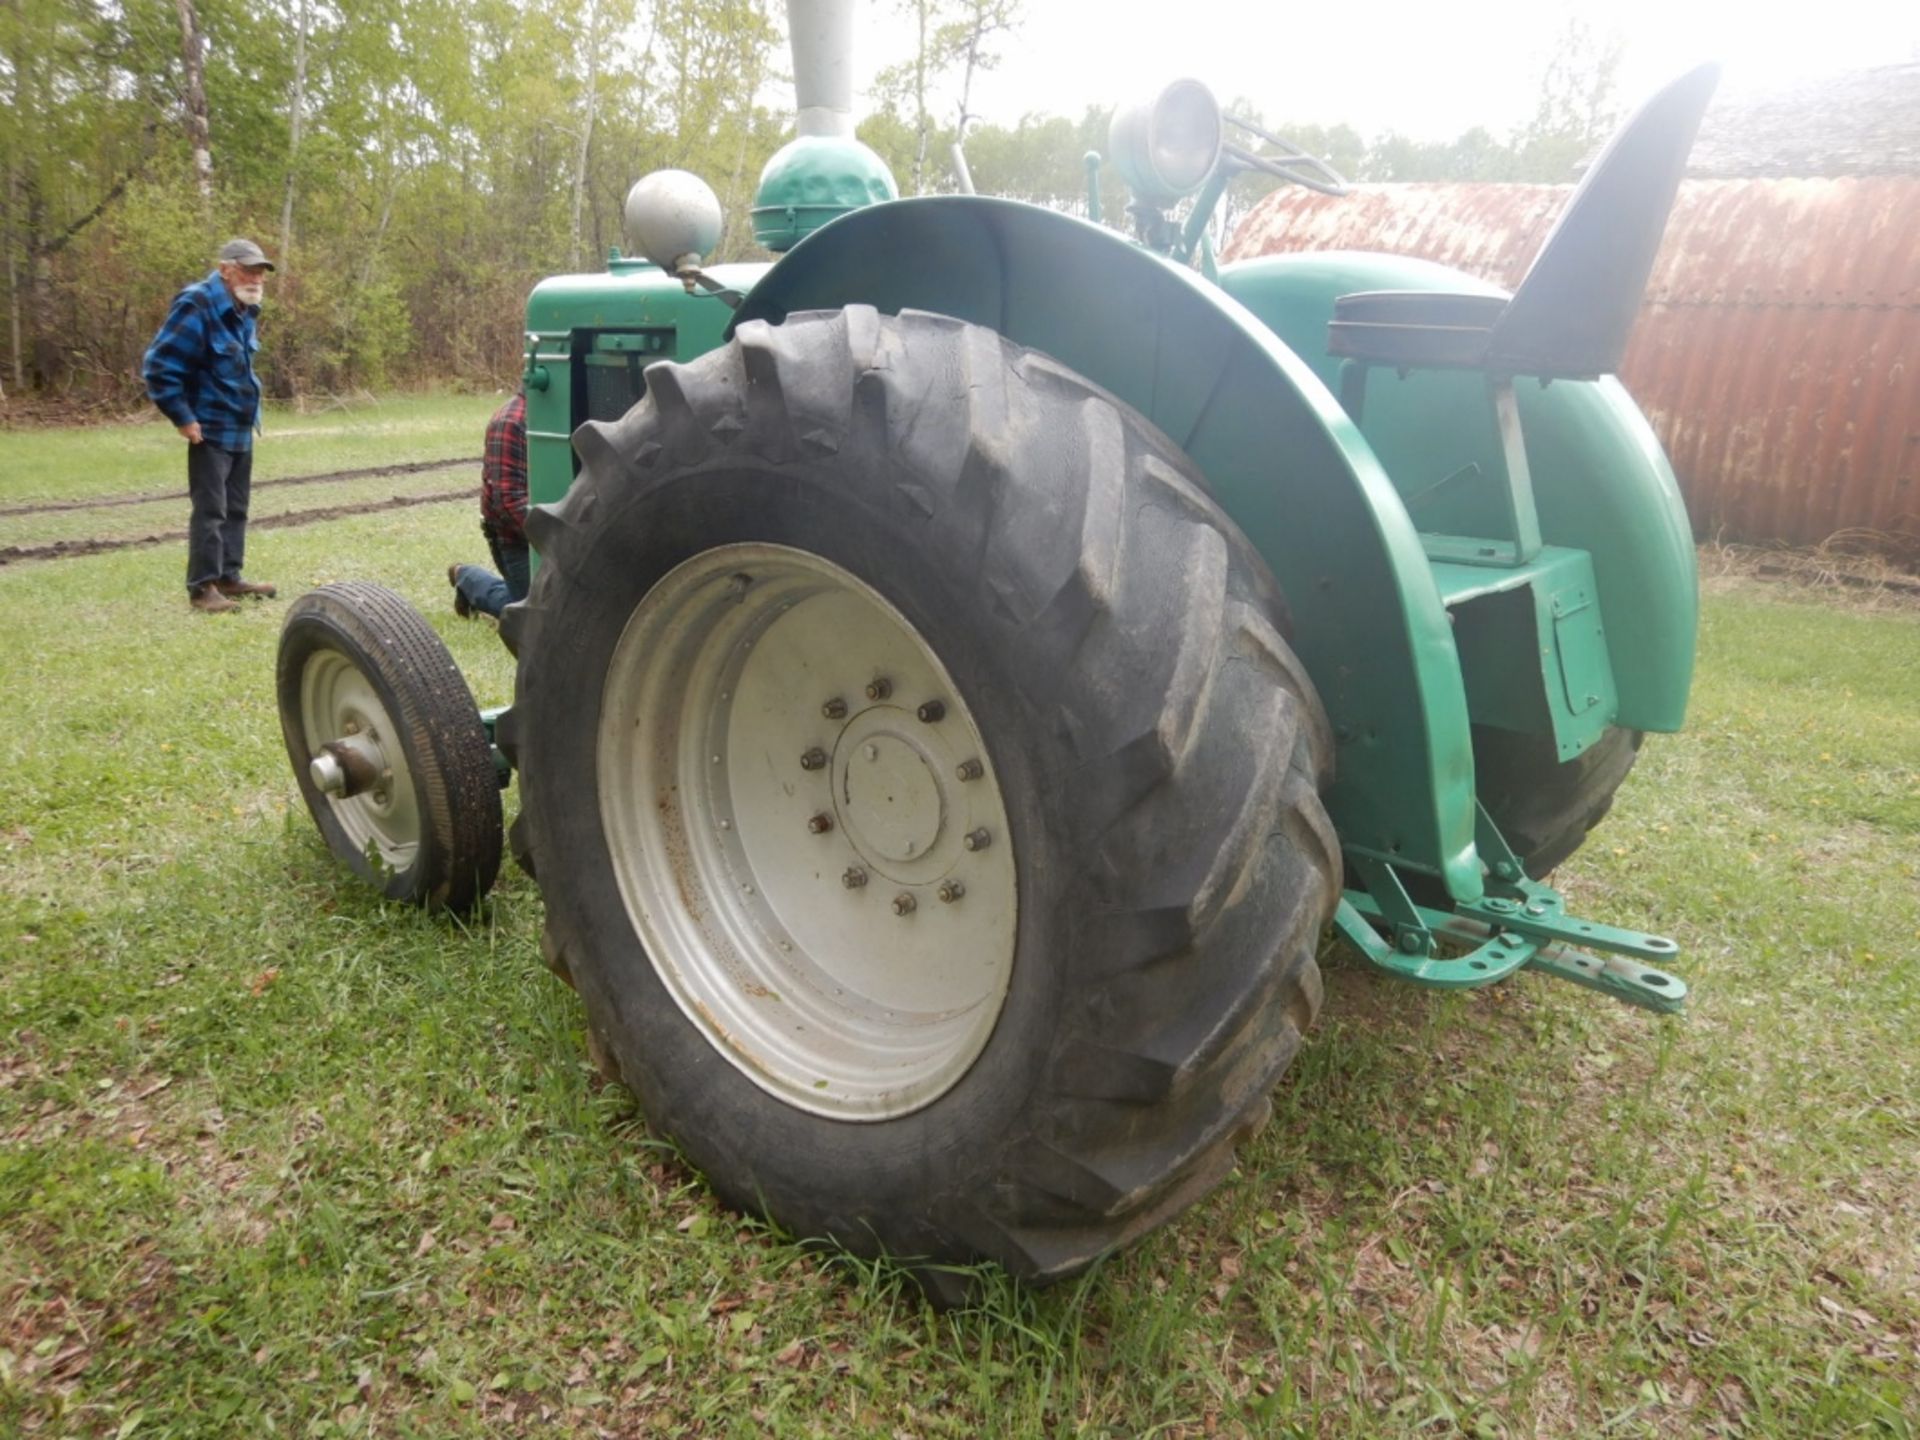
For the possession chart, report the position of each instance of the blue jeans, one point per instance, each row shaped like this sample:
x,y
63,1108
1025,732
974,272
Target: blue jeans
x,y
220,483
489,593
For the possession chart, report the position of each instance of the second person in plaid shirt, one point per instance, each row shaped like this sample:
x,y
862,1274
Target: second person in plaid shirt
x,y
503,517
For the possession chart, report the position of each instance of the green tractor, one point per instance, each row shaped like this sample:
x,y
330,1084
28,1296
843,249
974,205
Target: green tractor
x,y
972,659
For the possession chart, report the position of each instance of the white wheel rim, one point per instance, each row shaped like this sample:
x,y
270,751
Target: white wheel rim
x,y
338,704
821,993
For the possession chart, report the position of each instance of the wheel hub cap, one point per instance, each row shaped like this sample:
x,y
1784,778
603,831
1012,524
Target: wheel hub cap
x,y
888,793
795,855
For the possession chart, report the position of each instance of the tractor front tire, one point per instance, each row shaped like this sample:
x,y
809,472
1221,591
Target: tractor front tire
x,y
925,802
360,671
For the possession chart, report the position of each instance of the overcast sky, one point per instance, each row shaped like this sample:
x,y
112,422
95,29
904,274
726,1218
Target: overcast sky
x,y
1427,68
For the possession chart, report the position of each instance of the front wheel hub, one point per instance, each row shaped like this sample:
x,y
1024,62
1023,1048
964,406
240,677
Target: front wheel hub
x,y
357,763
747,799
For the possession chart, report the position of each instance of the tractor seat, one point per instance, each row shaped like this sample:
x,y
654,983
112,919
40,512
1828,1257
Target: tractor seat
x,y
1414,328
1572,314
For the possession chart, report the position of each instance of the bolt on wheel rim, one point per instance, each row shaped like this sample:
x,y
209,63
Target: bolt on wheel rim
x,y
763,836
339,705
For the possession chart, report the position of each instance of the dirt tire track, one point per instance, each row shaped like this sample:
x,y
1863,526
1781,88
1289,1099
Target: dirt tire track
x,y
411,467
72,549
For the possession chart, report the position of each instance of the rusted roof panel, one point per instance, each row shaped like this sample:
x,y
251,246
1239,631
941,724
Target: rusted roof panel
x,y
1778,349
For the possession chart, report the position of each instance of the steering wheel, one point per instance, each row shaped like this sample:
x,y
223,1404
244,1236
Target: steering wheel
x,y
1292,164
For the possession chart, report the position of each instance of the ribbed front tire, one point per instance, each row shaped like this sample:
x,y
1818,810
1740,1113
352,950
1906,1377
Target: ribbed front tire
x,y
1157,752
359,666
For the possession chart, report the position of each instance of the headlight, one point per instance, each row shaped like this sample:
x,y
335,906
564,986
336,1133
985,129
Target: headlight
x,y
673,217
1165,149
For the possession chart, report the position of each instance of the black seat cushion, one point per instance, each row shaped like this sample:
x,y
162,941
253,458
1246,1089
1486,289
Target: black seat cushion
x,y
1414,327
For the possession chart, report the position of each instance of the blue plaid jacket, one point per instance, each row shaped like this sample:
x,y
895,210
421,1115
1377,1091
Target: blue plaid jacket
x,y
200,365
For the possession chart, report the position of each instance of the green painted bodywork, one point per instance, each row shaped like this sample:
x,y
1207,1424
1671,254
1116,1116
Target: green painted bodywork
x,y
1600,480
1407,650
1503,616
588,339
1278,451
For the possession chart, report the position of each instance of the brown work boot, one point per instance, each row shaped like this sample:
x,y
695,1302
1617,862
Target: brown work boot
x,y
236,587
461,605
209,600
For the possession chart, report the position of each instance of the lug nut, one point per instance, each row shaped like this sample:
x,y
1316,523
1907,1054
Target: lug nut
x,y
820,824
903,904
932,713
951,890
854,877
970,770
977,840
814,759
835,709
879,688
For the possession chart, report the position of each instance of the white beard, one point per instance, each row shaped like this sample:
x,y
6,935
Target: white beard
x,y
250,294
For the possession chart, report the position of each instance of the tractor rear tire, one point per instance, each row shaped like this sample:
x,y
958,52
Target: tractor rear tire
x,y
1544,808
1036,1066
359,665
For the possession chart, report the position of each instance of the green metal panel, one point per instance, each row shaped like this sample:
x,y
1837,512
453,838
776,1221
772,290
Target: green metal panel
x,y
1532,646
1277,449
589,337
1600,481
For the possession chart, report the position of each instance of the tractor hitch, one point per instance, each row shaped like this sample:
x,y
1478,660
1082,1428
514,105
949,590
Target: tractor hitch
x,y
1517,924
1489,952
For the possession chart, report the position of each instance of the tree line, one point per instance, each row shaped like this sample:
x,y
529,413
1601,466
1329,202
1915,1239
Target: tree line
x,y
415,166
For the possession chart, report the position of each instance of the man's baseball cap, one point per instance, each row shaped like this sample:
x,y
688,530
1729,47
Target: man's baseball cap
x,y
243,252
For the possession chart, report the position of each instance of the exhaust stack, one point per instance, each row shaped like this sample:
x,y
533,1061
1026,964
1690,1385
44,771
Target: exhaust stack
x,y
821,32
824,171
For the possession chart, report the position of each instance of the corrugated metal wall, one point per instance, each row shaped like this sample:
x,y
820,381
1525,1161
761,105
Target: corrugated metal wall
x,y
1777,353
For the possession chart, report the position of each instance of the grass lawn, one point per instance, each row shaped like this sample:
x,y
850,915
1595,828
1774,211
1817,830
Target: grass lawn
x,y
145,455
276,1158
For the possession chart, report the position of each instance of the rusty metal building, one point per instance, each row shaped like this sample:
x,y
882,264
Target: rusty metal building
x,y
1778,349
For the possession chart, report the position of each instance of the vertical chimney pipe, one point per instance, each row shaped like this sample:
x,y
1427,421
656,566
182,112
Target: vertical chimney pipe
x,y
821,32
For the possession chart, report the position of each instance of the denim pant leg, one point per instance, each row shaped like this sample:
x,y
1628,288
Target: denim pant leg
x,y
483,590
515,565
233,531
207,469
513,559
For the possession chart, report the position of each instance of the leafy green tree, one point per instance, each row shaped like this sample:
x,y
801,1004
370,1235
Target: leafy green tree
x,y
952,38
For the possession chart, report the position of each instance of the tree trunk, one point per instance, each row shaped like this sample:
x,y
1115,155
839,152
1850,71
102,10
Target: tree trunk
x,y
303,22
586,125
193,52
920,99
13,274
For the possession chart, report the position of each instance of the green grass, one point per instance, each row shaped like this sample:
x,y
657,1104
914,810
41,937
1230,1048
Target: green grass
x,y
146,455
276,1158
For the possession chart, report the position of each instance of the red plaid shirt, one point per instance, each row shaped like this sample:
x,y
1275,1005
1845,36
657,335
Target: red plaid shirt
x,y
503,473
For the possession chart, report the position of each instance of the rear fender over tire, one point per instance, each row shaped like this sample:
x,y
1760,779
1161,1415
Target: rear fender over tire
x,y
1116,648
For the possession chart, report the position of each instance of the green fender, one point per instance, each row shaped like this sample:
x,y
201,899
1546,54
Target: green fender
x,y
1600,480
1281,456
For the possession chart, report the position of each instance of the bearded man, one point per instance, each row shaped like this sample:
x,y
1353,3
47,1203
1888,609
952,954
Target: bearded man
x,y
199,371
